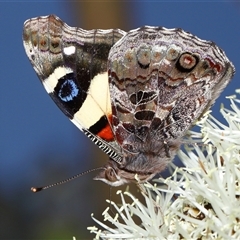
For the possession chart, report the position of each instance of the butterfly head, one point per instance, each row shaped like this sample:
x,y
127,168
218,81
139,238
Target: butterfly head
x,y
113,175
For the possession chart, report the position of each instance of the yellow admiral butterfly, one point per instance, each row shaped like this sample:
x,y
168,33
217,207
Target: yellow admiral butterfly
x,y
133,94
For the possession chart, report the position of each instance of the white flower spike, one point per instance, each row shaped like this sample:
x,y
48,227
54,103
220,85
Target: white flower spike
x,y
199,201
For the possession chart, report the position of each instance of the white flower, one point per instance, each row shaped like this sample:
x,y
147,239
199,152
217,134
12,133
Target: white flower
x,y
199,201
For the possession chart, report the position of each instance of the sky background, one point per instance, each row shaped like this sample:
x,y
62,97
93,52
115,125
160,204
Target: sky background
x,y
39,145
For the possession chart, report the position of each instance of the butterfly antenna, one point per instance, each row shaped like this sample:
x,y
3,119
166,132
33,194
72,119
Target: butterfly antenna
x,y
38,189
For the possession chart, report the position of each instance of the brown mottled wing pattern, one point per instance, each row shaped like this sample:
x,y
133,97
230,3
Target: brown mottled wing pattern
x,y
161,81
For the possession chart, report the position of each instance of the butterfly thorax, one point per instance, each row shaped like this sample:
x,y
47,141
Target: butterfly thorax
x,y
152,157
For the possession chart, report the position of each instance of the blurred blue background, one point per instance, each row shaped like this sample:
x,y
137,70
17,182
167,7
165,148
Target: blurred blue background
x,y
39,145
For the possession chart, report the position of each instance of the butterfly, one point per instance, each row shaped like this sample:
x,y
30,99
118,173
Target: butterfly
x,y
134,94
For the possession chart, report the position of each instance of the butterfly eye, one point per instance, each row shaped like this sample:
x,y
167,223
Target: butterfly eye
x,y
110,174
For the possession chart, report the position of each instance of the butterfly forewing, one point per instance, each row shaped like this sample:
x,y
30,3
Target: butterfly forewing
x,y
72,65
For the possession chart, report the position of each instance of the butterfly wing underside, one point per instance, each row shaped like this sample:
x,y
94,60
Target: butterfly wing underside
x,y
134,94
72,65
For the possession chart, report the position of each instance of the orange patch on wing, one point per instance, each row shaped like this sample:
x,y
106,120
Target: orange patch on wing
x,y
107,133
